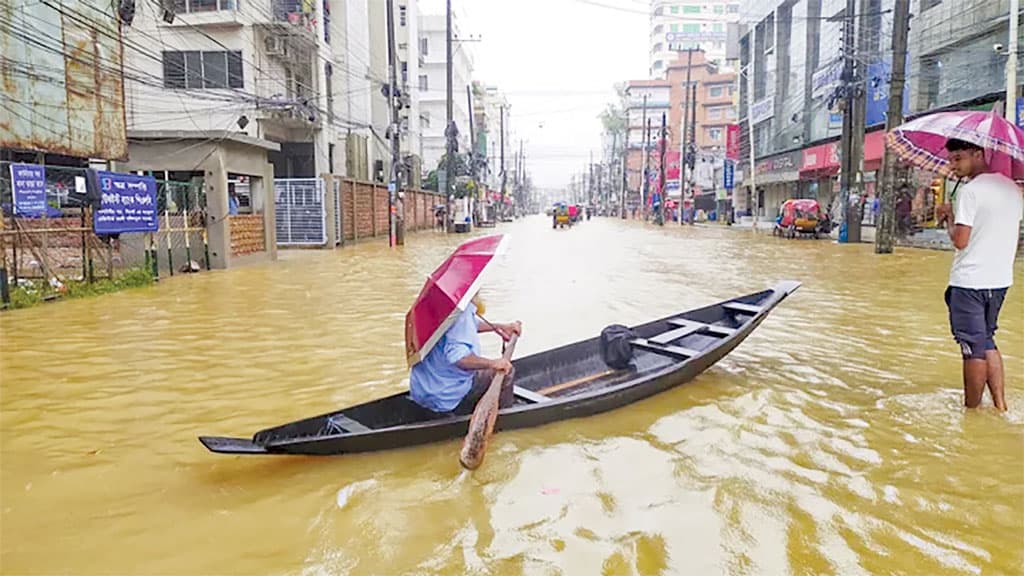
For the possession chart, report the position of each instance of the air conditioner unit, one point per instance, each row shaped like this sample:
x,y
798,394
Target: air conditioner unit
x,y
275,46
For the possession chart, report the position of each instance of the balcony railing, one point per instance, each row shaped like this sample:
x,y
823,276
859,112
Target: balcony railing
x,y
299,13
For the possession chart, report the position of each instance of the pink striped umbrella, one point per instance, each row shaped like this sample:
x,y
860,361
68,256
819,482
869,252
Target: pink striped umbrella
x,y
922,142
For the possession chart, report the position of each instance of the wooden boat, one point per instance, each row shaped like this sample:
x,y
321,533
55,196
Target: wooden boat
x,y
566,382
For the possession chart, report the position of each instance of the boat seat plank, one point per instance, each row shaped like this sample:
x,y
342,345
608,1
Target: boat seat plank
x,y
530,395
347,424
742,308
709,328
683,330
676,351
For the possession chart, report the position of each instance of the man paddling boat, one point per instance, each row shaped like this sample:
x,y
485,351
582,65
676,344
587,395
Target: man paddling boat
x,y
453,375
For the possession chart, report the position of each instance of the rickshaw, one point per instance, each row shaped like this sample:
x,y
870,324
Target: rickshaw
x,y
798,217
560,216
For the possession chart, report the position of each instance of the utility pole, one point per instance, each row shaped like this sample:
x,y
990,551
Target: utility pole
x,y
646,190
692,148
503,174
750,127
645,129
864,36
450,130
625,165
661,164
472,154
396,212
522,177
850,103
886,228
1011,63
684,134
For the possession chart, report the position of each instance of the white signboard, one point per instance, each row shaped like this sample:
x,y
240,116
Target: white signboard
x,y
762,110
824,80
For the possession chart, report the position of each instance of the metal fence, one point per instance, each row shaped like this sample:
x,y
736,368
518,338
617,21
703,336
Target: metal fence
x,y
301,218
338,237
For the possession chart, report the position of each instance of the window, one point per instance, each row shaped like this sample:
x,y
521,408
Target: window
x,y
691,28
733,9
658,65
714,113
716,91
674,27
719,9
675,10
424,86
929,4
715,134
329,81
423,47
691,9
401,15
186,6
203,70
658,47
718,27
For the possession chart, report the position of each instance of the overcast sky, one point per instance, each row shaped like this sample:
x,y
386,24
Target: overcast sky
x,y
557,62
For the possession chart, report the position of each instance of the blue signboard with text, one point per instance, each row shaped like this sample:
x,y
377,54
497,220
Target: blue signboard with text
x,y
878,80
1020,112
729,175
128,203
28,186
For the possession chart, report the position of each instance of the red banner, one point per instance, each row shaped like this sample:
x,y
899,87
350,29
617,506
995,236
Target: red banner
x,y
732,142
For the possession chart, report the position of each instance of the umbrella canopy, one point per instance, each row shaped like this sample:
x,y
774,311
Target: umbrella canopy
x,y
447,292
922,141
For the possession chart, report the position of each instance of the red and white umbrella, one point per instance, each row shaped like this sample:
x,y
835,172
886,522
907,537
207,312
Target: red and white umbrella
x,y
448,292
922,141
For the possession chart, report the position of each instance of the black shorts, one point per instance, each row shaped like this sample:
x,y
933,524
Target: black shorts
x,y
972,317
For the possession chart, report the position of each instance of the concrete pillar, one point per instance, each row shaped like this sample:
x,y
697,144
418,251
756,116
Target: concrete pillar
x,y
330,210
269,212
219,224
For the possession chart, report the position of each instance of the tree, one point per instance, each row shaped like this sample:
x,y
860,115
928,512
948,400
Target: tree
x,y
460,168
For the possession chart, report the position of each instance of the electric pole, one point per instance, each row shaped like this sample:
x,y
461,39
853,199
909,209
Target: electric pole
x,y
450,130
471,155
503,174
645,131
661,165
684,134
625,165
750,128
850,104
1011,63
885,237
396,215
865,37
692,148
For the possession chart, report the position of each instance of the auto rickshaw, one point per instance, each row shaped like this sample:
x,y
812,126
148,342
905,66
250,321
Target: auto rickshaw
x,y
560,216
798,217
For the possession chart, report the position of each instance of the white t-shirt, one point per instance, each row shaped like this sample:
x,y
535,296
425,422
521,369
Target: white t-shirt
x,y
992,205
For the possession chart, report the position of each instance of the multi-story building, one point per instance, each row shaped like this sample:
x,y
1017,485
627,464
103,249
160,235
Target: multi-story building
x,y
409,60
680,24
293,73
647,101
432,87
707,117
489,105
792,56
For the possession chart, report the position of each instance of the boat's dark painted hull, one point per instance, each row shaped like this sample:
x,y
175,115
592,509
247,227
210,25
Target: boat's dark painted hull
x,y
307,436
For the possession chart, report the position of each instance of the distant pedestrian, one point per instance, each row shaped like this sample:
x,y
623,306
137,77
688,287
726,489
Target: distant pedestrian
x,y
985,227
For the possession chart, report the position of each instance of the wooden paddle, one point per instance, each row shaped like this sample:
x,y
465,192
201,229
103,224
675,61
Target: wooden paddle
x,y
481,424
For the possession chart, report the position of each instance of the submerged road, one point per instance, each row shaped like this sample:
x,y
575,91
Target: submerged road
x,y
832,441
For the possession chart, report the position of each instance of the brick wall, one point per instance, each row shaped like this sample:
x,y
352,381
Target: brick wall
x,y
247,235
365,209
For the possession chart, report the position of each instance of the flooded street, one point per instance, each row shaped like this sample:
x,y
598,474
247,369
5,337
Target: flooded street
x,y
832,441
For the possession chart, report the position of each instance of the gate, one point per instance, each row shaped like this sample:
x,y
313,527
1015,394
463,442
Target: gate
x,y
337,213
301,218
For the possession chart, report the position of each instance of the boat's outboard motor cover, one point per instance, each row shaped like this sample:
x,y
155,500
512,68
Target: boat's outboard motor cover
x,y
616,350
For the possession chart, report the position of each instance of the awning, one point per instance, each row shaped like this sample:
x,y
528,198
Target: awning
x,y
874,148
820,160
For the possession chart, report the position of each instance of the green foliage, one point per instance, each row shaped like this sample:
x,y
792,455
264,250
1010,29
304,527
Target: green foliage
x,y
26,296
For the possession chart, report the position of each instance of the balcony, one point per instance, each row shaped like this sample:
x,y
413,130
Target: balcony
x,y
298,14
208,13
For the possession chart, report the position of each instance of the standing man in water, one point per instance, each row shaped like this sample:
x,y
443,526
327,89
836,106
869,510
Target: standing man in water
x,y
984,227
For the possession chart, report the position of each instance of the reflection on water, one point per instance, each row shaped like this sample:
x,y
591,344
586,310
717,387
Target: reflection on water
x,y
832,441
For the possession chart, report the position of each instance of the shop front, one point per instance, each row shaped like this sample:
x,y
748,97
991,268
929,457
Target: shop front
x,y
776,181
819,167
